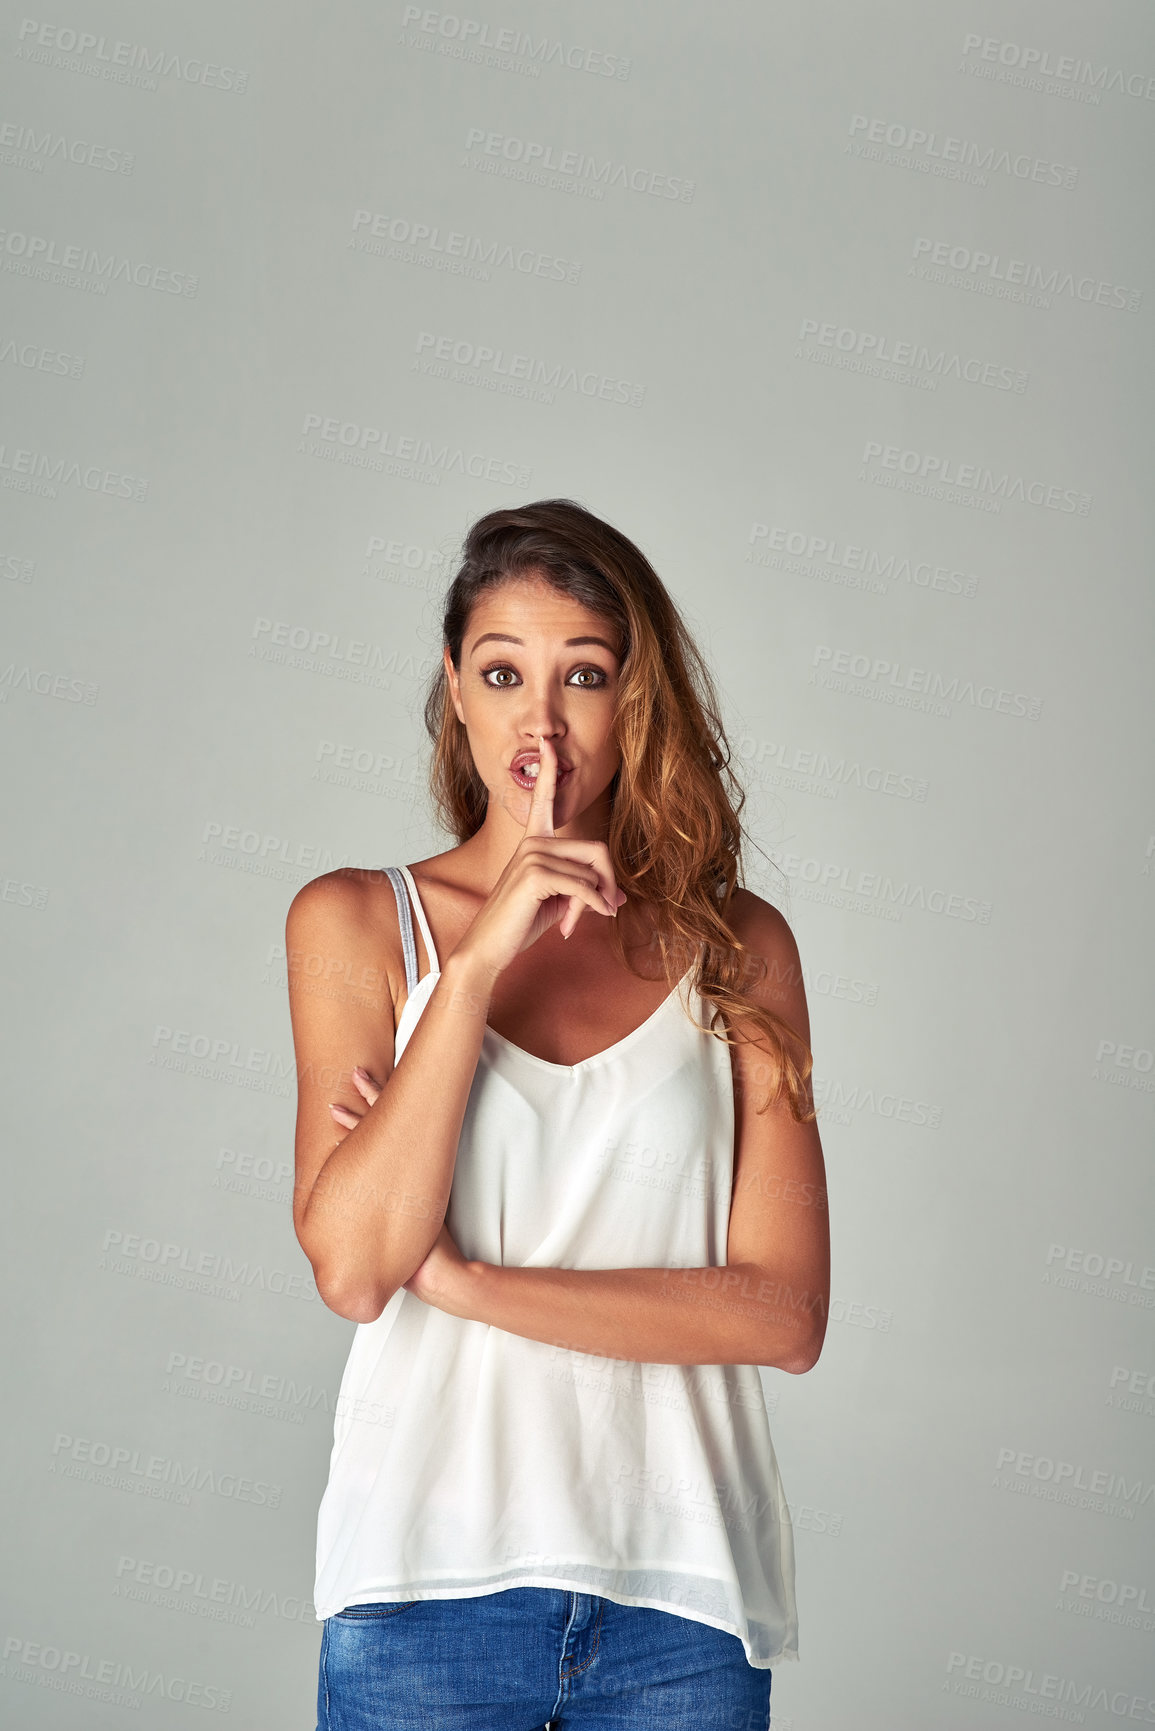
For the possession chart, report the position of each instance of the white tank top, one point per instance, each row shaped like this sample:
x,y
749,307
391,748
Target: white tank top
x,y
467,1460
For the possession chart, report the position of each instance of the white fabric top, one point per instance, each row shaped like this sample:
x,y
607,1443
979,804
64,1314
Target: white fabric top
x,y
467,1460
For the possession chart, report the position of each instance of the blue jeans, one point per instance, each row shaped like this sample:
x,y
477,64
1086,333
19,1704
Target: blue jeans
x,y
533,1659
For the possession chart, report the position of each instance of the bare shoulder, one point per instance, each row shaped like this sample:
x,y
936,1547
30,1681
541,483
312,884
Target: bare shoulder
x,y
767,934
344,925
758,923
350,895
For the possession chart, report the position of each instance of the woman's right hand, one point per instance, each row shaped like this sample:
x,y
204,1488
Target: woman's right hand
x,y
547,879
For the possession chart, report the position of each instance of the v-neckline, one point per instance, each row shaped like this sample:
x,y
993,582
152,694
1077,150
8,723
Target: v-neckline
x,y
434,973
548,1063
594,1057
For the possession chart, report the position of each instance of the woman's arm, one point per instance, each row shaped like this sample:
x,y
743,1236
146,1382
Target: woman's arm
x,y
740,1314
367,1210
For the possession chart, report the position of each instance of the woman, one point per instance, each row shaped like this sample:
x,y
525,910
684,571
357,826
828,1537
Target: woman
x,y
573,1205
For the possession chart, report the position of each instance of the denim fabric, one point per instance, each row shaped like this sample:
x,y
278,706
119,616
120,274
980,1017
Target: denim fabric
x,y
533,1659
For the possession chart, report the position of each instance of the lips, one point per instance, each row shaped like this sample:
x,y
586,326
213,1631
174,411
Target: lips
x,y
519,769
524,757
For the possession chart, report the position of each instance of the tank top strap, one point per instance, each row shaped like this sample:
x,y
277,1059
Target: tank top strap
x,y
405,921
430,946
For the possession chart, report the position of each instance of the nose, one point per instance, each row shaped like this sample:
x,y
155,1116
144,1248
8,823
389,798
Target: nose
x,y
540,715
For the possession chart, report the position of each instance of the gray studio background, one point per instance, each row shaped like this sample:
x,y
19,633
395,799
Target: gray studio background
x,y
844,314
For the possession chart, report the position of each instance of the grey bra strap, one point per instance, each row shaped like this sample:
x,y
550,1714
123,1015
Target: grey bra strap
x,y
422,918
405,920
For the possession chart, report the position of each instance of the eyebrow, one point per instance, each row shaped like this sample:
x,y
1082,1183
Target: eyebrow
x,y
570,642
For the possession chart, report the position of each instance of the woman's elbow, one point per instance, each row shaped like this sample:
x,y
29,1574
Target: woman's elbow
x,y
346,1292
807,1357
354,1302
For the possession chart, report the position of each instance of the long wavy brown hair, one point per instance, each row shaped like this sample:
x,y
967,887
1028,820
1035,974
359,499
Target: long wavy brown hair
x,y
675,838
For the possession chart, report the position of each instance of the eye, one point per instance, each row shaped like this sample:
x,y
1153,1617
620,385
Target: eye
x,y
486,671
600,677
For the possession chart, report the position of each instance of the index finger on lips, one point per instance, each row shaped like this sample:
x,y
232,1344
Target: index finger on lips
x,y
540,820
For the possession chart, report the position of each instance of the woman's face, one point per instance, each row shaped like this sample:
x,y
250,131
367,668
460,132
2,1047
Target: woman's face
x,y
535,661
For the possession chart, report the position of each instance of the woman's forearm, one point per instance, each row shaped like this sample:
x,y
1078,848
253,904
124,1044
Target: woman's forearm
x,y
380,1198
741,1314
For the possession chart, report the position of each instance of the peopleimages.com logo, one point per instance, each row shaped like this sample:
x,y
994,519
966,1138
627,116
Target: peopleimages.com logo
x,y
907,352
945,154
1006,1684
26,254
26,146
574,170
373,447
121,62
986,269
448,249
1033,65
475,38
483,363
989,484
